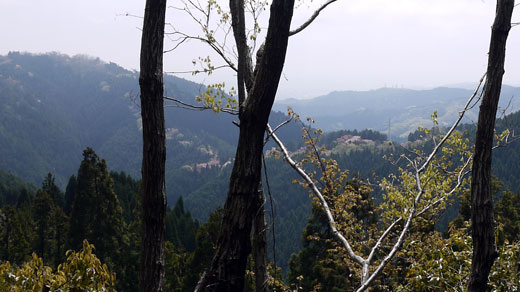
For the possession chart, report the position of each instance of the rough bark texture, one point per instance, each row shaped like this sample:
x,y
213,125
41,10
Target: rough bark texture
x,y
260,246
154,148
484,246
242,204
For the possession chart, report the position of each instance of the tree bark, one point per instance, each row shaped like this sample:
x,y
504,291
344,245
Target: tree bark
x,y
154,148
242,203
260,246
484,246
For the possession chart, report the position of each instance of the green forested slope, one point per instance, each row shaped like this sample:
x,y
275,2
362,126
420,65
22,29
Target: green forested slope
x,y
53,106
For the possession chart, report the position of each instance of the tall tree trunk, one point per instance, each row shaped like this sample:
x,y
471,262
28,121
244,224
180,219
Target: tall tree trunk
x,y
484,246
154,148
242,204
260,245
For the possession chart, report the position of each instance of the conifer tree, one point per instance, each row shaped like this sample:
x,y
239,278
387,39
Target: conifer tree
x,y
43,206
15,235
70,190
96,213
49,186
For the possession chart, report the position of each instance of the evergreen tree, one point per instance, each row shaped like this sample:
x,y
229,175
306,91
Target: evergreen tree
x,y
96,213
507,212
52,189
314,266
60,227
24,199
15,235
126,189
183,269
181,229
321,264
43,207
70,190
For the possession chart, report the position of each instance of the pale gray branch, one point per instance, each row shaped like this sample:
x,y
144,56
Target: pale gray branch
x,y
319,195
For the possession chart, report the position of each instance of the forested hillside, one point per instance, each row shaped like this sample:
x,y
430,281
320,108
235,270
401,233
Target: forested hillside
x,y
52,107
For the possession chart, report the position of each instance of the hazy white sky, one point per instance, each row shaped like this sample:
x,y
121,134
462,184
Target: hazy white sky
x,y
353,45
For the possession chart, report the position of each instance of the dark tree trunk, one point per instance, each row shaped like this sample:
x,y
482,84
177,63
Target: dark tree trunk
x,y
484,246
243,201
154,148
260,246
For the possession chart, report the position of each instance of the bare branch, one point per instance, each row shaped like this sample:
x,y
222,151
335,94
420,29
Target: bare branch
x,y
197,71
311,19
448,134
184,105
276,128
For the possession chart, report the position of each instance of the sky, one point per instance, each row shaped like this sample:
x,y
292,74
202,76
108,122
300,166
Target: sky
x,y
352,45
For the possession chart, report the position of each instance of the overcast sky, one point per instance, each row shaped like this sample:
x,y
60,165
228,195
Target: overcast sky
x,y
353,45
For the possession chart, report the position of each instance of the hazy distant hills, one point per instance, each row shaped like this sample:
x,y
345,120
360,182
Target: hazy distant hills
x,y
52,106
393,111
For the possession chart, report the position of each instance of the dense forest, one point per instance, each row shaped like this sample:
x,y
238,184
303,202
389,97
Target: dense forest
x,y
52,197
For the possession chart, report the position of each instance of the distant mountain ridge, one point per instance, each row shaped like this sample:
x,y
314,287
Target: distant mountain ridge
x,y
393,111
52,106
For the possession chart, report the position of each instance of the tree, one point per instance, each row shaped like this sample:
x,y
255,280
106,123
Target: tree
x,y
484,246
52,189
82,271
16,234
96,213
420,191
43,207
154,148
256,87
69,194
245,198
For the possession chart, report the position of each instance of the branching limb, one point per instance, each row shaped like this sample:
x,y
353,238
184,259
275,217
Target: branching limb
x,y
421,186
453,127
317,192
276,128
181,104
311,19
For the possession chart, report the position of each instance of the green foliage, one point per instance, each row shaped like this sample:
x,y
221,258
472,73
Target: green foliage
x,y
82,271
70,192
318,267
12,187
507,214
16,234
444,264
49,186
180,227
216,97
183,268
96,212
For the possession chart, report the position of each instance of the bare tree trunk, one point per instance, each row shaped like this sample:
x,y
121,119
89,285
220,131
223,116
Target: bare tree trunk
x,y
484,246
154,148
227,271
260,246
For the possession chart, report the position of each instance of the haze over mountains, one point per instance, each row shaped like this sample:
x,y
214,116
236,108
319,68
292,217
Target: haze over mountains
x,y
393,111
